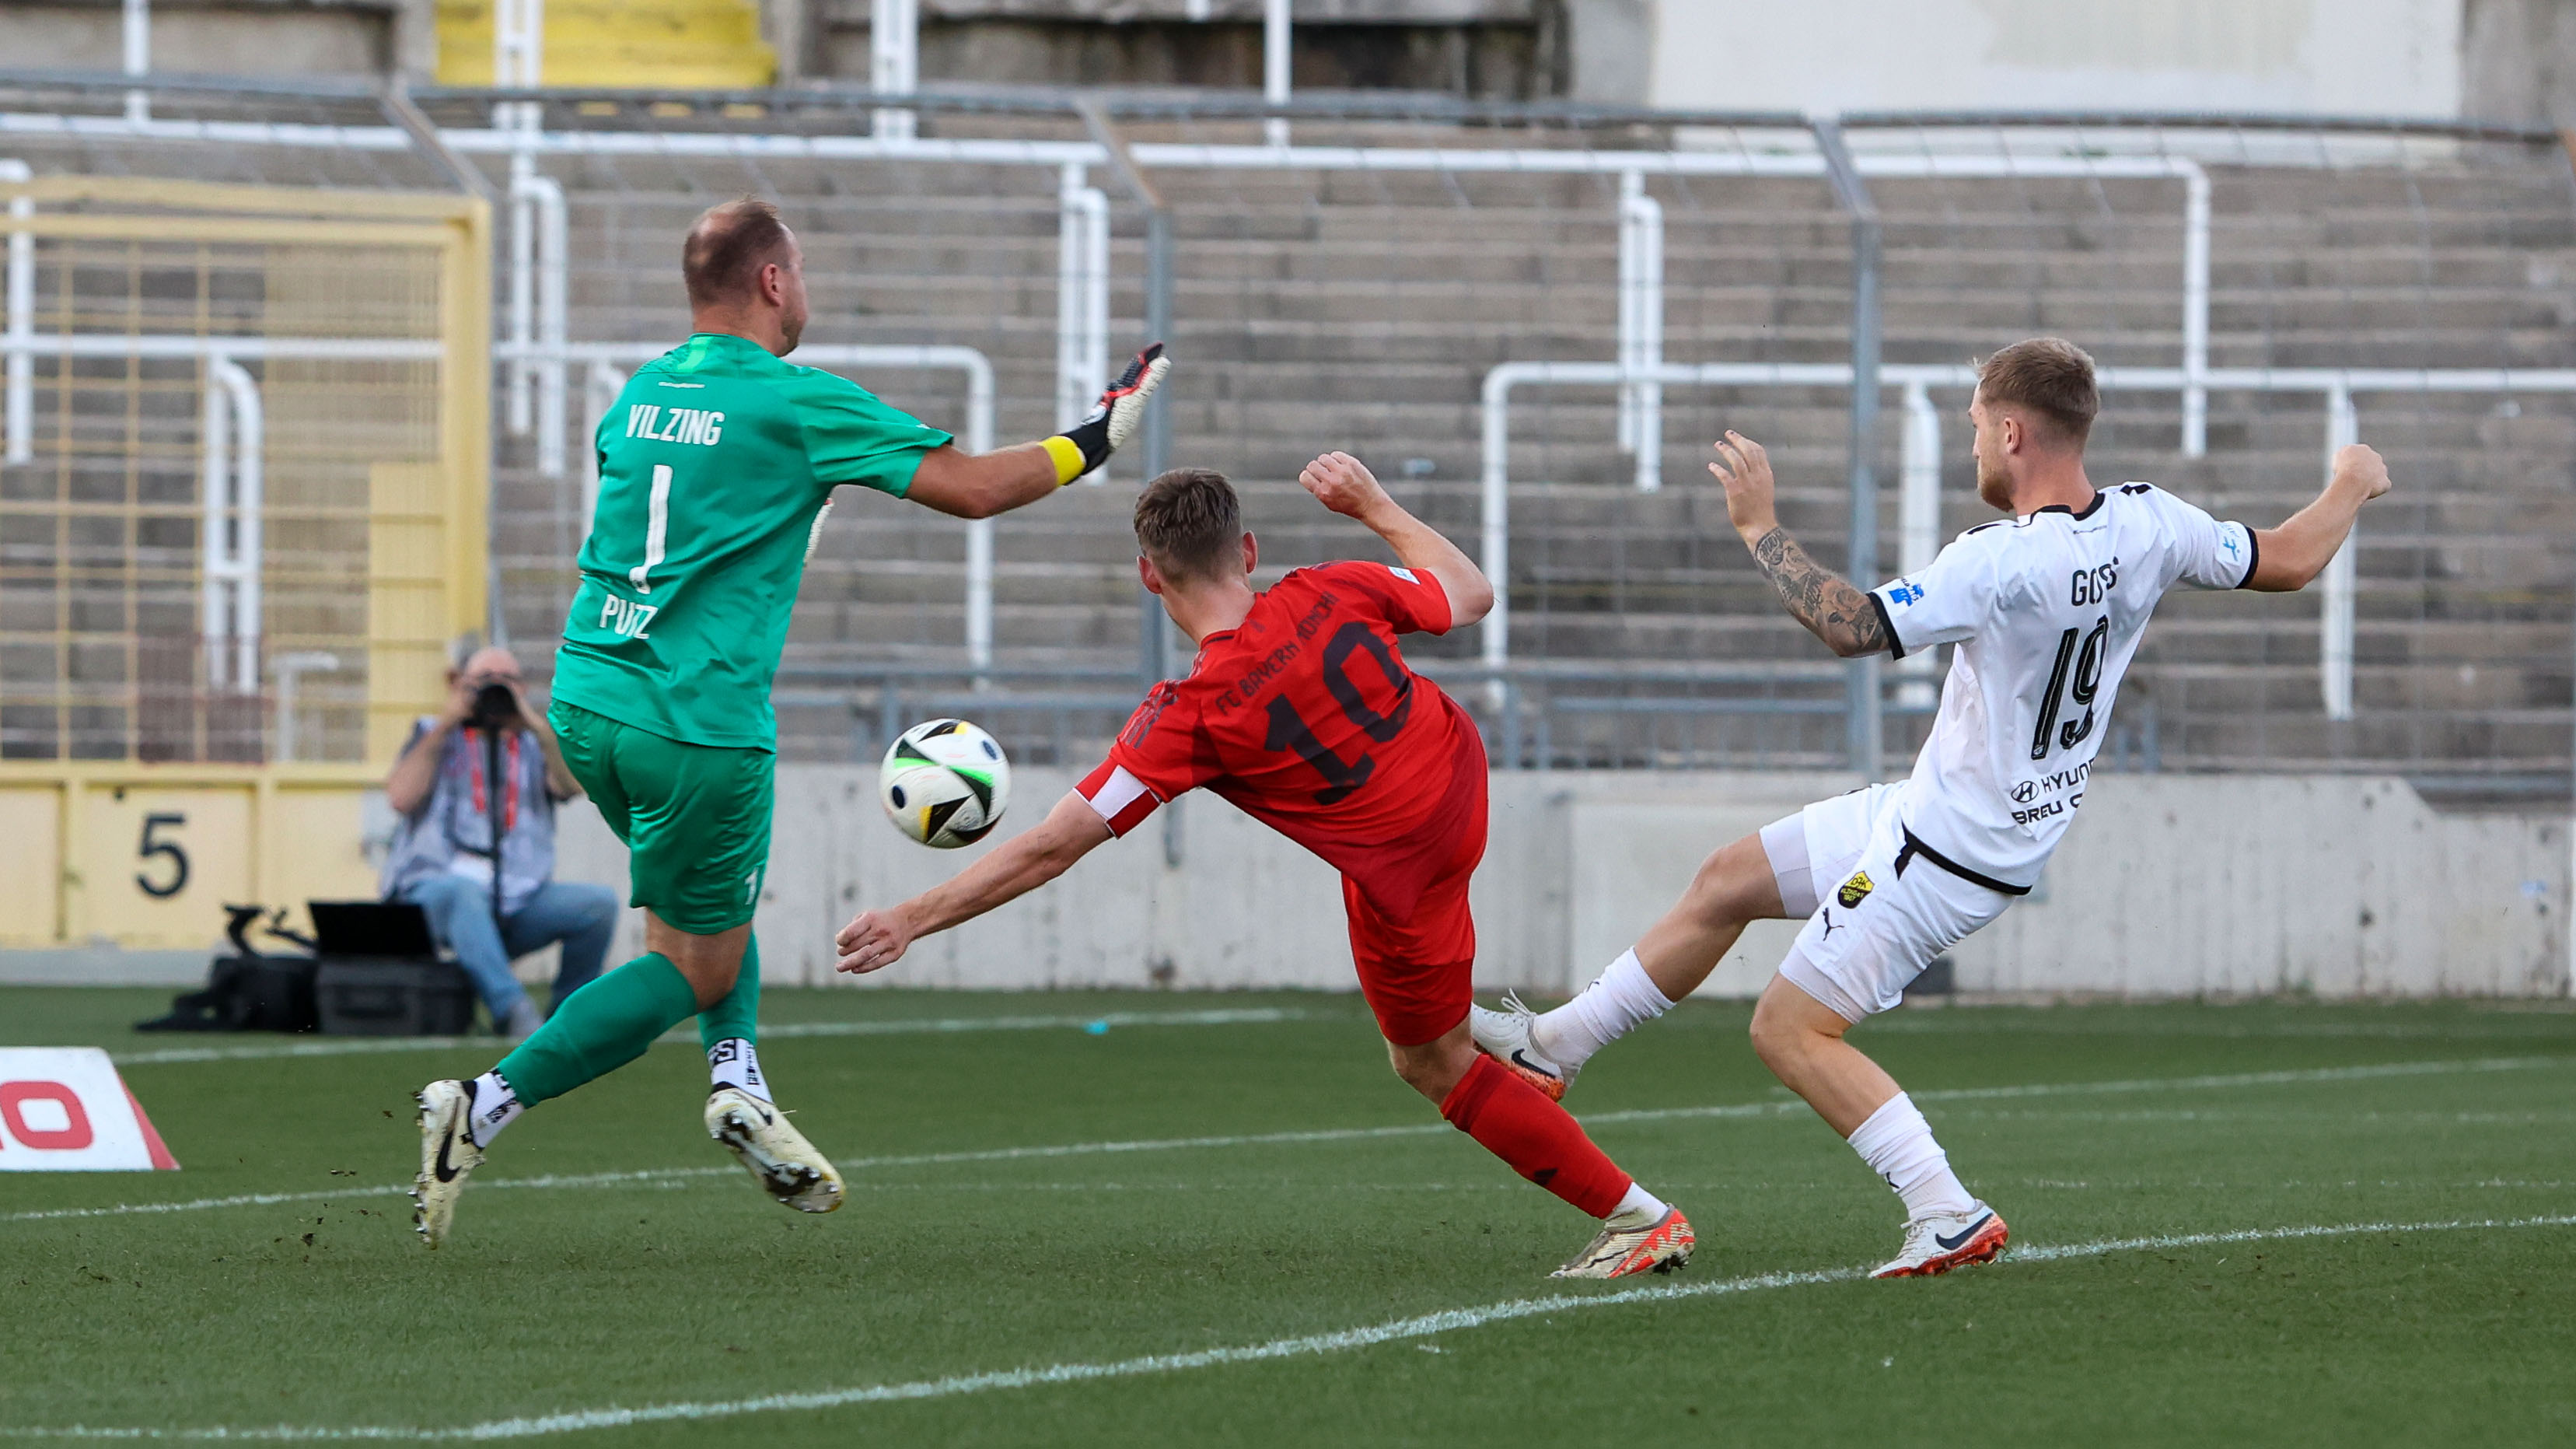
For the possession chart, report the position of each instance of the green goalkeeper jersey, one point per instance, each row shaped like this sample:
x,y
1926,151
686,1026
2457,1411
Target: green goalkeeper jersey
x,y
714,467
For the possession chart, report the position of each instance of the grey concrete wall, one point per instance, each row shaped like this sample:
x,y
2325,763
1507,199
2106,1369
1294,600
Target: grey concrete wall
x,y
2168,886
221,37
104,966
2328,57
2518,62
1612,43
2173,885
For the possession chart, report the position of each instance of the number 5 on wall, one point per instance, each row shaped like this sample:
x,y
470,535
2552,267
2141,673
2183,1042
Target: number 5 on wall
x,y
154,845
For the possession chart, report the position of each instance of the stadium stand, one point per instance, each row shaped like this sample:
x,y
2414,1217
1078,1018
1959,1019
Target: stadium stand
x,y
1379,302
1363,309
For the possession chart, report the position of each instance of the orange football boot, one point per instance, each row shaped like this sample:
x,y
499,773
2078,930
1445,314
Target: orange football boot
x,y
1658,1247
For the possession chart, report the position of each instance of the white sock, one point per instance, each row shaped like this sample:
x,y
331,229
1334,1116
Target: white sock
x,y
495,1107
1897,1144
1639,1209
1621,999
736,1063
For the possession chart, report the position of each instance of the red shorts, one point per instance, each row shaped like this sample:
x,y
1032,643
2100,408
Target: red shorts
x,y
1418,971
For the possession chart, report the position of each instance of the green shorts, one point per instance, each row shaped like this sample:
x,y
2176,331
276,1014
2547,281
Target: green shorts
x,y
695,818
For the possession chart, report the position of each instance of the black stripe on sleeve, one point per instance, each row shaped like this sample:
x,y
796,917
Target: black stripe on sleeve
x,y
2253,548
1895,645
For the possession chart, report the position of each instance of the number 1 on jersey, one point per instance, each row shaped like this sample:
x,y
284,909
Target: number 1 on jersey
x,y
657,523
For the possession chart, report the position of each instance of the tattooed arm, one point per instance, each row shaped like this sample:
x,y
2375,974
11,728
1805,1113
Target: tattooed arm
x,y
1831,608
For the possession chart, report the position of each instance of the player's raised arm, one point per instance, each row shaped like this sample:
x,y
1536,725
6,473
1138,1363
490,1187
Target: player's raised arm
x,y
1016,867
1345,485
1830,606
979,485
2288,557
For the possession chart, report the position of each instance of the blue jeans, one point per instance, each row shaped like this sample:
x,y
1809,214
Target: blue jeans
x,y
583,917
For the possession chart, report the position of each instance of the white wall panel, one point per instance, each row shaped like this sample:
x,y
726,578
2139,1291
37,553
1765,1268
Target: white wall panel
x,y
2168,885
2337,57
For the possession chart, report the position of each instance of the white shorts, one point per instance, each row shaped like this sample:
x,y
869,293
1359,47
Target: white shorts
x,y
1877,910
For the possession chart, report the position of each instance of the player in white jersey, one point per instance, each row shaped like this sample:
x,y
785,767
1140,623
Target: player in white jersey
x,y
2046,609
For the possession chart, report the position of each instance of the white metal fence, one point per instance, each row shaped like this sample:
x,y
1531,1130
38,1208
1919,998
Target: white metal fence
x,y
1530,319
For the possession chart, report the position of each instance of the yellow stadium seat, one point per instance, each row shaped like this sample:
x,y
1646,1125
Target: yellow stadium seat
x,y
675,44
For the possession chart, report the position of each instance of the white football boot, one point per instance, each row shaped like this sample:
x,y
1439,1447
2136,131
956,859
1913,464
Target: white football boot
x,y
447,1154
777,1155
1656,1247
1944,1241
1505,1036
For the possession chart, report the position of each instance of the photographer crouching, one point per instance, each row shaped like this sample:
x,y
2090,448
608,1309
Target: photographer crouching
x,y
476,787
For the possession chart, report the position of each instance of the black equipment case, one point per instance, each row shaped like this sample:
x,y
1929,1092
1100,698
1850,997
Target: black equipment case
x,y
379,973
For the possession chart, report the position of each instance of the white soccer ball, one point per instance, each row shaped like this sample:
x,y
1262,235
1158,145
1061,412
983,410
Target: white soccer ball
x,y
945,783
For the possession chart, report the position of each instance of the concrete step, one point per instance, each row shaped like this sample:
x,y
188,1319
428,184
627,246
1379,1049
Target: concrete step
x,y
1369,308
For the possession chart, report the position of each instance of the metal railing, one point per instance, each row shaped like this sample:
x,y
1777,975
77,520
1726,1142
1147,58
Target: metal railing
x,y
1638,225
1534,716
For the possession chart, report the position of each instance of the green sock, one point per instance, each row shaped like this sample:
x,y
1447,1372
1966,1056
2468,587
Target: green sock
x,y
730,1029
600,1028
737,1016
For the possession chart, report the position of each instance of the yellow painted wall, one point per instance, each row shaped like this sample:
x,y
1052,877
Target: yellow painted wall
x,y
30,866
654,44
388,514
82,858
412,604
92,853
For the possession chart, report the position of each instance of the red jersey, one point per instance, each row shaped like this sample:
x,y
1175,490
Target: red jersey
x,y
1306,718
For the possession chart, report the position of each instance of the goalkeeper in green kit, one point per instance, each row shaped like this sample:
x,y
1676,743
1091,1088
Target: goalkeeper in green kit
x,y
715,469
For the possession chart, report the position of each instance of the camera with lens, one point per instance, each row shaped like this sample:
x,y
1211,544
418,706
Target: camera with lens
x,y
495,708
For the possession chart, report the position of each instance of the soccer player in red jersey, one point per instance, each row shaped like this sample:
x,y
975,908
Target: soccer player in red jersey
x,y
1301,712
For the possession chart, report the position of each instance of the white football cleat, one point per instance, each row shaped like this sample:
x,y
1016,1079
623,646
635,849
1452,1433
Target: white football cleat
x,y
447,1154
777,1155
1939,1243
1505,1036
1658,1247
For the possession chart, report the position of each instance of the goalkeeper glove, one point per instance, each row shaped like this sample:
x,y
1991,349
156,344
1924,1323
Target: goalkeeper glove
x,y
1087,444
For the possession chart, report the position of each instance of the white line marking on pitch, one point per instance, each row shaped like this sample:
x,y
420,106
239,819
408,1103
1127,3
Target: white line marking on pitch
x,y
1792,1106
2137,1084
369,1046
1451,1320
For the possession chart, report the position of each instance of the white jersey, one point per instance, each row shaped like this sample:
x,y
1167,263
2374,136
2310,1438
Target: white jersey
x,y
2047,611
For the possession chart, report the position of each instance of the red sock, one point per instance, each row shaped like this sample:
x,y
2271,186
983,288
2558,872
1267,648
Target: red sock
x,y
1514,1121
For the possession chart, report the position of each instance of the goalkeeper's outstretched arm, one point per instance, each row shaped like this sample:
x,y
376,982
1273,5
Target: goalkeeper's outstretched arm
x,y
979,485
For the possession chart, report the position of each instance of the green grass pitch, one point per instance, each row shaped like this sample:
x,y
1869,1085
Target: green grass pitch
x,y
2271,1223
